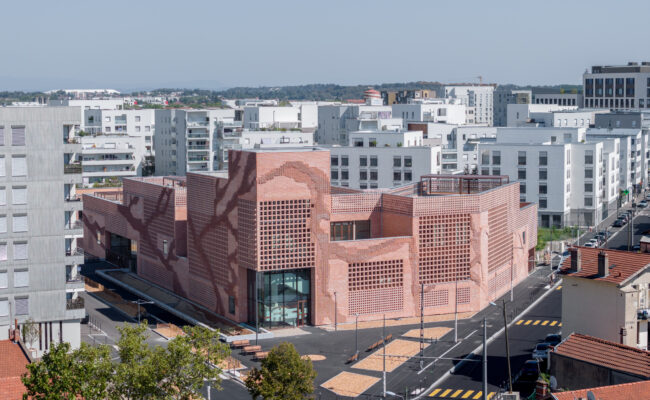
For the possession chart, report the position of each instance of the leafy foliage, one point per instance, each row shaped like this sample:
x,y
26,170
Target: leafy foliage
x,y
282,376
141,372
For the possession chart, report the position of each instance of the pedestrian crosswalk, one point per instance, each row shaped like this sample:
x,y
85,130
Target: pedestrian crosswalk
x,y
538,322
459,394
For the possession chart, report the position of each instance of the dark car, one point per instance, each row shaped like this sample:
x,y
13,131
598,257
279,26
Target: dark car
x,y
618,223
553,339
636,247
530,371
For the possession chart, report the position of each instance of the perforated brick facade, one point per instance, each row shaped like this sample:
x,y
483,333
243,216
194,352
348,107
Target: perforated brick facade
x,y
273,213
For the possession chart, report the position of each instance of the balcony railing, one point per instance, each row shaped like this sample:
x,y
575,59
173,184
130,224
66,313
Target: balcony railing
x,y
69,278
72,168
74,252
73,197
73,225
74,304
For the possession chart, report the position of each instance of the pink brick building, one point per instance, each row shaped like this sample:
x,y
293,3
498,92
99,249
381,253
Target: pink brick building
x,y
274,223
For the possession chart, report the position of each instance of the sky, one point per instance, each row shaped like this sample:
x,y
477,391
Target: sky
x,y
144,44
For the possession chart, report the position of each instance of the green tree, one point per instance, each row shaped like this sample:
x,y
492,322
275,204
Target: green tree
x,y
62,374
282,376
30,332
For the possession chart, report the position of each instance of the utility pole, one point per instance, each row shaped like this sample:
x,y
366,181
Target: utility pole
x,y
456,310
356,333
485,386
383,340
630,229
421,326
505,326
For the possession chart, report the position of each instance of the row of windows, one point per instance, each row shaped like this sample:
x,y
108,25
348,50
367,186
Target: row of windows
x,y
615,103
19,223
21,279
18,165
17,136
21,306
18,195
372,161
20,250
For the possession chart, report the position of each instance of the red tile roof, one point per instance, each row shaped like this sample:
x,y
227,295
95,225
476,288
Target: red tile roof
x,y
607,354
626,391
13,363
623,264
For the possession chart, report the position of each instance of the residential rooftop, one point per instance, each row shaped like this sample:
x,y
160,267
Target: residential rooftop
x,y
13,364
607,354
622,265
625,391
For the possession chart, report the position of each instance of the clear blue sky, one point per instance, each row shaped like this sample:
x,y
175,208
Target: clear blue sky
x,y
128,44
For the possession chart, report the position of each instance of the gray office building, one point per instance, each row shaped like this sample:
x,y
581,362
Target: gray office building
x,y
40,224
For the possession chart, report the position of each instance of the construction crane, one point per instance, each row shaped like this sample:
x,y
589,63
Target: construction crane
x,y
480,79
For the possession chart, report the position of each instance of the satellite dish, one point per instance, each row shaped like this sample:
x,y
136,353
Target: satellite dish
x,y
590,395
553,383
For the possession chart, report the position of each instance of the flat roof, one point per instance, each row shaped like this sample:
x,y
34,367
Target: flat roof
x,y
285,149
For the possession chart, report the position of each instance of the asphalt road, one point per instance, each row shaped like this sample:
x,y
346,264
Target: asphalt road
x,y
640,227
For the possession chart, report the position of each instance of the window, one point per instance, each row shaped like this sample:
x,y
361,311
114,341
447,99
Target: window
x,y
18,166
589,187
19,195
543,158
589,173
344,161
19,223
165,247
358,142
543,174
231,304
334,161
4,280
372,142
108,129
335,175
568,157
3,224
147,128
21,278
137,118
521,158
485,171
4,307
3,251
2,135
543,202
363,186
22,305
397,161
397,176
522,188
363,161
17,135
408,162
408,176
589,157
589,201
2,166
3,196
99,237
485,157
542,188
20,250
363,175
521,174
345,175
107,118
373,175
373,186
373,161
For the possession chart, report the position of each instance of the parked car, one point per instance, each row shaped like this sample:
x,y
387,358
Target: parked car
x,y
643,203
647,196
553,339
594,242
530,371
541,351
636,248
590,245
618,223
605,234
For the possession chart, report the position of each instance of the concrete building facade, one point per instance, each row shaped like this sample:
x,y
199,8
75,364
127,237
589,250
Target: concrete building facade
x,y
479,98
503,97
617,86
40,223
274,239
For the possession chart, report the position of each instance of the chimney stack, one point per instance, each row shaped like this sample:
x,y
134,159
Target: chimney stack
x,y
603,264
576,260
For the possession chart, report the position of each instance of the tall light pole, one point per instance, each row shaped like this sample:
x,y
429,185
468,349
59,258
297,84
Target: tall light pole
x,y
421,326
505,326
456,310
140,302
336,325
383,340
485,386
356,333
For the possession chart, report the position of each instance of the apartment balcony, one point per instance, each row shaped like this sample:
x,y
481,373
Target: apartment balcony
x,y
119,161
108,150
198,159
105,172
72,198
73,228
72,168
74,283
74,256
198,135
75,308
643,314
198,124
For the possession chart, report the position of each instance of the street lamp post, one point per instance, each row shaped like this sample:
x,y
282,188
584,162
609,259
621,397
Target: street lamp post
x,y
140,302
356,333
505,326
485,386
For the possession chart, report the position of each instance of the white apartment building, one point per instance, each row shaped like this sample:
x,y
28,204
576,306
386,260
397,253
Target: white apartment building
x,y
117,143
186,140
459,144
478,97
503,97
573,180
234,137
618,86
543,115
437,111
376,159
335,123
40,224
633,156
303,117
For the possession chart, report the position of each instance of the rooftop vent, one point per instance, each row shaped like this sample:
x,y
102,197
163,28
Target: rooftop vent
x,y
603,264
576,260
